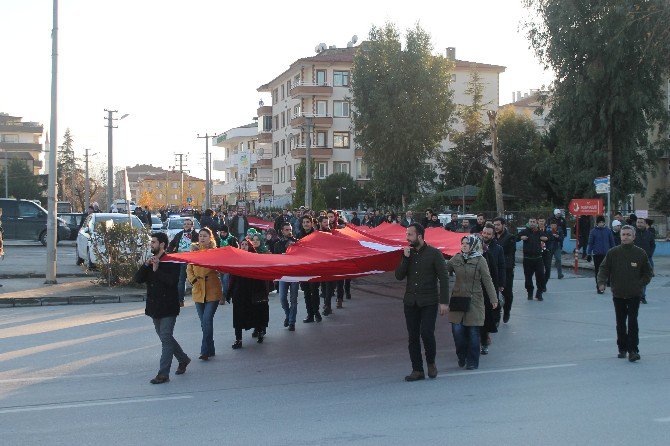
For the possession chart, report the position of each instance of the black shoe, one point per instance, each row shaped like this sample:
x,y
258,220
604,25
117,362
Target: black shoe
x,y
560,276
254,334
432,371
308,319
470,367
160,379
237,345
485,350
461,362
506,316
327,311
348,296
622,354
544,290
530,295
318,317
261,336
291,327
643,300
538,296
633,356
286,322
182,367
415,376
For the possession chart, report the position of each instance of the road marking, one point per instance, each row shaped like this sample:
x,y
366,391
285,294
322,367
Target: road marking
x,y
518,369
91,404
50,378
662,420
639,337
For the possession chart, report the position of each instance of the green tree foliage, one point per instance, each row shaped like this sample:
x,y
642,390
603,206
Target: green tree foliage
x,y
23,184
318,199
402,106
521,153
66,168
610,58
486,198
352,194
465,163
660,201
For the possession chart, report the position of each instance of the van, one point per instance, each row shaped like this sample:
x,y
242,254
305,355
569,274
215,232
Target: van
x,y
25,220
64,207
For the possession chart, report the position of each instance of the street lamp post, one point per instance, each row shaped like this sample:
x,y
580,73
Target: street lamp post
x,y
50,276
110,164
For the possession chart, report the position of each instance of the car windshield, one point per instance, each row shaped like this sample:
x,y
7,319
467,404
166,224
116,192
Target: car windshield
x,y
178,223
120,220
155,220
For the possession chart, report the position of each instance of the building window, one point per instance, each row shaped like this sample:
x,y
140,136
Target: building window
x,y
322,108
288,86
321,170
160,196
283,119
277,176
158,185
340,78
276,127
341,140
341,167
283,147
296,79
320,139
296,110
283,174
267,123
10,138
341,109
275,96
320,77
362,170
276,149
289,173
175,197
175,185
282,92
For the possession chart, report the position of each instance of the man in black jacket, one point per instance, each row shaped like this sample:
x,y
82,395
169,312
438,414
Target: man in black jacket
x,y
453,224
286,239
533,245
280,220
645,239
182,243
423,266
163,305
508,243
495,258
311,289
479,225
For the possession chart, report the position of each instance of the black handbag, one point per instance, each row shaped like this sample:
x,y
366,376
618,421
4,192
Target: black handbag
x,y
462,303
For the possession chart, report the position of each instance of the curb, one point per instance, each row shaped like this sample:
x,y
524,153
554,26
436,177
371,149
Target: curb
x,y
43,276
69,300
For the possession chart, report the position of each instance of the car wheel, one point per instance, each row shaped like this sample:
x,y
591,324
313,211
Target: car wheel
x,y
43,238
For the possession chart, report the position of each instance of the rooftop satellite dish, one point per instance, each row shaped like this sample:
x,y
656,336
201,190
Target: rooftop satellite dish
x,y
316,49
354,39
322,46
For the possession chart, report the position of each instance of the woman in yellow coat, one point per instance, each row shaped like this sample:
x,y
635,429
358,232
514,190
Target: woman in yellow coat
x,y
206,293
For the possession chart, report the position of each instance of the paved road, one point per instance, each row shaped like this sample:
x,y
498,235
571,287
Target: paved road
x,y
29,258
79,375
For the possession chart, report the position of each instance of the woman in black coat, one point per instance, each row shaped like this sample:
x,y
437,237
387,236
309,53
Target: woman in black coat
x,y
250,303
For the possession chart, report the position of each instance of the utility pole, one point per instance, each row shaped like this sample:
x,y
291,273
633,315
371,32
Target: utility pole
x,y
51,193
72,180
208,187
181,157
308,164
497,174
87,192
110,165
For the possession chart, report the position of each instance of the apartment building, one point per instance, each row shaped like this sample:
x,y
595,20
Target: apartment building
x,y
135,174
528,104
245,158
171,189
20,140
316,89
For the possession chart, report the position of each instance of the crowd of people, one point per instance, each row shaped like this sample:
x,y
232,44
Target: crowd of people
x,y
482,294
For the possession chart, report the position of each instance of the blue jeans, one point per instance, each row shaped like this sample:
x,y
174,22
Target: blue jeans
x,y
467,343
170,347
206,314
181,287
292,310
225,280
558,261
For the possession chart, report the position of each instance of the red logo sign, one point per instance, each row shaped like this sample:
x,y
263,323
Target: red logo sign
x,y
586,206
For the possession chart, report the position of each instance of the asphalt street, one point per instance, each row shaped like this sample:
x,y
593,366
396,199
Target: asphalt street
x,y
79,375
28,258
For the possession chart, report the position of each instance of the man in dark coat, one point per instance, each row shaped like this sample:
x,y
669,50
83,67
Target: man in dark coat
x,y
311,289
207,221
495,257
239,225
354,219
508,243
182,243
163,305
533,243
645,239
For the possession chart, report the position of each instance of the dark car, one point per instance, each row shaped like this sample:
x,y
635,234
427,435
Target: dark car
x,y
25,220
73,221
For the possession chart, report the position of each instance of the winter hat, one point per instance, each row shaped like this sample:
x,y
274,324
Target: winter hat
x,y
557,212
616,223
600,218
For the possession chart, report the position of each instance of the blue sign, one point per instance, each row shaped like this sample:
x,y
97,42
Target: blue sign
x,y
189,199
602,185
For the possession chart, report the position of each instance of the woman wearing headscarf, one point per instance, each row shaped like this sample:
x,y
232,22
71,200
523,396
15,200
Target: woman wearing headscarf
x,y
250,303
472,278
207,293
271,238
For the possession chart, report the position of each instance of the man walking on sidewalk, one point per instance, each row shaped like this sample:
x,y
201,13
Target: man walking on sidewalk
x,y
508,243
163,305
533,239
628,270
423,266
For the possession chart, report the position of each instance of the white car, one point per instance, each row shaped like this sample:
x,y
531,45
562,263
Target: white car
x,y
85,251
156,223
121,205
174,224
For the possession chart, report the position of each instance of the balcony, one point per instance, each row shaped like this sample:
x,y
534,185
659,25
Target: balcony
x,y
265,110
263,163
316,151
318,120
265,137
20,146
22,127
266,189
310,89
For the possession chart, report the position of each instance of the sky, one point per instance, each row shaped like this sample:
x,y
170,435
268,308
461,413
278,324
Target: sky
x,y
182,68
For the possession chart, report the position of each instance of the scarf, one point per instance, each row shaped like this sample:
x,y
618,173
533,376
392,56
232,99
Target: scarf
x,y
475,244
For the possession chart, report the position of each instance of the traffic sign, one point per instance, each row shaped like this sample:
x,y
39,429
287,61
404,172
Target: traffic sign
x,y
602,185
189,199
586,206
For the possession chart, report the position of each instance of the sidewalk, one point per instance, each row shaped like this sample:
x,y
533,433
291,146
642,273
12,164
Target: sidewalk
x,y
661,264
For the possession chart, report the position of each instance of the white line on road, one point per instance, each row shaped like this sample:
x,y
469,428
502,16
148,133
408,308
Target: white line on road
x,y
662,420
518,369
640,337
91,404
49,378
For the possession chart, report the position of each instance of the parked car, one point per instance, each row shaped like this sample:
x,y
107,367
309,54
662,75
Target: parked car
x,y
85,236
64,207
446,218
156,223
121,205
74,221
173,225
25,220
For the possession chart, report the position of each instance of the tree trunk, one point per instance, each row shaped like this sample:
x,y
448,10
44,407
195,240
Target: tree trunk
x,y
497,174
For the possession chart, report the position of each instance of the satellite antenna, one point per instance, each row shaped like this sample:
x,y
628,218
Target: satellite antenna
x,y
354,39
322,47
316,49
